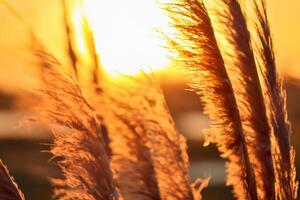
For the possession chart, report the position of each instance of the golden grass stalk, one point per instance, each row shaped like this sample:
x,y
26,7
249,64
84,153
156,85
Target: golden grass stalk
x,y
283,152
242,70
144,138
199,53
78,145
68,31
128,148
91,47
8,188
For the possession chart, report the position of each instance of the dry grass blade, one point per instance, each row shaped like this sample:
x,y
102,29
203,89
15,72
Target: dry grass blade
x,y
198,186
283,152
78,145
8,188
148,139
199,53
240,64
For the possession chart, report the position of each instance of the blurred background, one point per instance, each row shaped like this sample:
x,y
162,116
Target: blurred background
x,y
39,24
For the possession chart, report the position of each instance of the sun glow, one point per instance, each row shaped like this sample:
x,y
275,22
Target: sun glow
x,y
126,34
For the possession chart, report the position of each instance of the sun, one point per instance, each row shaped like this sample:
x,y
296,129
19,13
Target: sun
x,y
126,34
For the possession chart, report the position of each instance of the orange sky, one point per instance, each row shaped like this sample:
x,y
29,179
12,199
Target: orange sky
x,y
45,16
285,25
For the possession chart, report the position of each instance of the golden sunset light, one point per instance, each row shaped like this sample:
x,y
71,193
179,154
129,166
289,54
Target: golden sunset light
x,y
126,34
149,99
